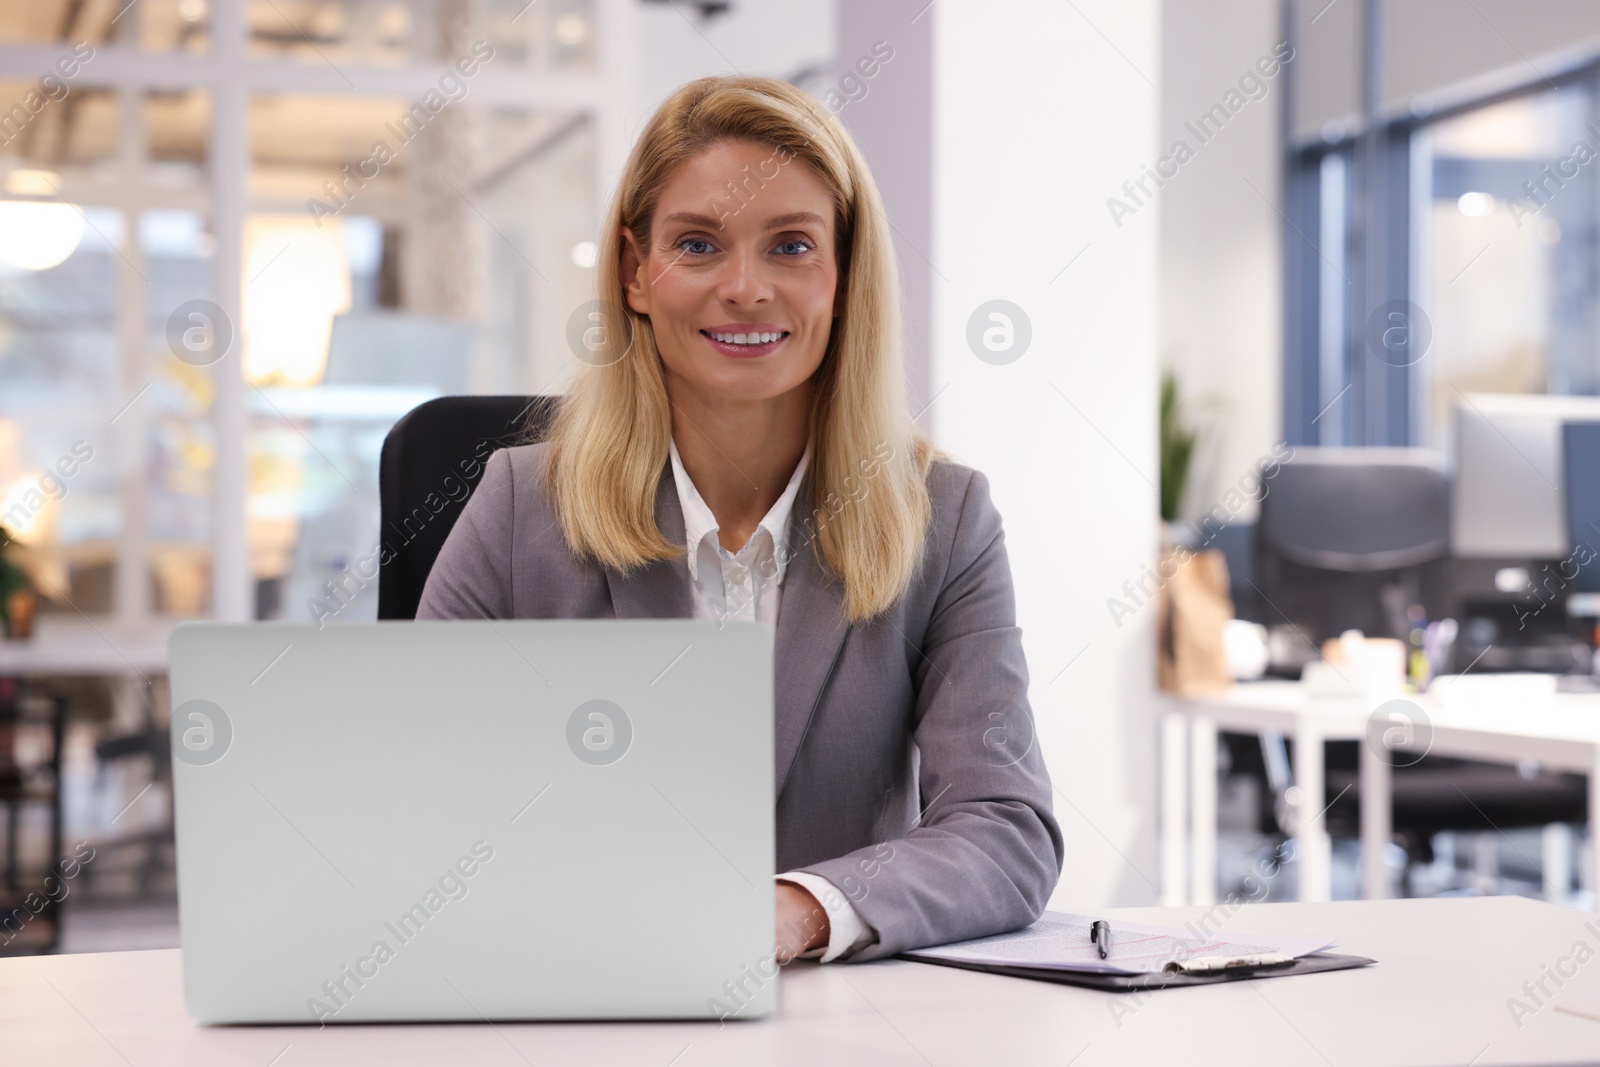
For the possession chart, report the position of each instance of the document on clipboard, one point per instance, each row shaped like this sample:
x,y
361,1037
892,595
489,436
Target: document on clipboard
x,y
1060,941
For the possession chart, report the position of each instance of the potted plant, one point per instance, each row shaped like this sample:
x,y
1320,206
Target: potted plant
x,y
1177,449
17,598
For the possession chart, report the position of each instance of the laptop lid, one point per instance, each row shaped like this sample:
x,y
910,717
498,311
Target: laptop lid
x,y
467,820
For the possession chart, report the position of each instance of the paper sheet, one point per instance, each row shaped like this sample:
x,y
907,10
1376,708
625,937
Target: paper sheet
x,y
1059,941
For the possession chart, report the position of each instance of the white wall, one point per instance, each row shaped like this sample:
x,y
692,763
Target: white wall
x,y
780,38
1221,251
651,49
1039,112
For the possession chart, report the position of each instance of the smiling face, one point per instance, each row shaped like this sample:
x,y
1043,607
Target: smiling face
x,y
741,293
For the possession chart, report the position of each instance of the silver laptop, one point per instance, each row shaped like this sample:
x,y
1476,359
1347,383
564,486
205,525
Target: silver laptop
x,y
474,820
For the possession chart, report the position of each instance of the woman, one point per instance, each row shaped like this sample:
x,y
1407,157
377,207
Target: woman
x,y
740,448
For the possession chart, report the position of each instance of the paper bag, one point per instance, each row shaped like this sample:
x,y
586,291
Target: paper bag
x,y
1194,608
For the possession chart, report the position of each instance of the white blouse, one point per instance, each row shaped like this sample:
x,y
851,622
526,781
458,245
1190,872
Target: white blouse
x,y
746,586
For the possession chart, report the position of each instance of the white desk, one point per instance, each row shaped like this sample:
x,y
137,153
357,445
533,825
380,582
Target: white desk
x,y
1438,995
1190,874
1475,720
1560,730
76,646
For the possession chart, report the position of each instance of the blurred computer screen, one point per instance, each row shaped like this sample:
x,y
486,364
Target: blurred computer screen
x,y
1508,499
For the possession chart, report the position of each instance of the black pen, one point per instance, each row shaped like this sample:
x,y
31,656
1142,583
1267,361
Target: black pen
x,y
1100,934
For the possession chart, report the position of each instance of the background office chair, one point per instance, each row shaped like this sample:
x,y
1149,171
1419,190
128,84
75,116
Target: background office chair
x,y
1350,538
434,450
154,849
34,784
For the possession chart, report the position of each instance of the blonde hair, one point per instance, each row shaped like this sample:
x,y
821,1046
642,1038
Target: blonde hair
x,y
868,477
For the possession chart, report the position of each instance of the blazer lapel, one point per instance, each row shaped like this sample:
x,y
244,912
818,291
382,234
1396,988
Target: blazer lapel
x,y
660,590
811,633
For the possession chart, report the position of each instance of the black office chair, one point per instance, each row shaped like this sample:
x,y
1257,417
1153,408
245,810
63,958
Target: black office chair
x,y
31,785
1349,538
154,848
432,460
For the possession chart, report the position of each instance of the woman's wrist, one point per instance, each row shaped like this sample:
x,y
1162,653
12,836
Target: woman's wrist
x,y
802,922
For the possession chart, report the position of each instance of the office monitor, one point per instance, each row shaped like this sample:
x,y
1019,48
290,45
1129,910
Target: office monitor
x,y
1581,485
1508,500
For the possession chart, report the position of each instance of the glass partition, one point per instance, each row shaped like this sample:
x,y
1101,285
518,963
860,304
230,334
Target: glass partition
x,y
1507,230
392,246
394,254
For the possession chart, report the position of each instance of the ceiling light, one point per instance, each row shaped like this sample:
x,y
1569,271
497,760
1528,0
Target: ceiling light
x,y
1476,205
585,254
37,235
571,29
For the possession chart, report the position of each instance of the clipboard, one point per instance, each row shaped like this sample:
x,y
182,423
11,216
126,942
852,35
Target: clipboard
x,y
1132,983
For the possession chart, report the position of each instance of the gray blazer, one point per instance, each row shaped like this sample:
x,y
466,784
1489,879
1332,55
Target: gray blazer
x,y
923,707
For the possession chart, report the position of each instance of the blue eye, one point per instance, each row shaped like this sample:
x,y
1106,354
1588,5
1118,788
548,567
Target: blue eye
x,y
804,245
694,241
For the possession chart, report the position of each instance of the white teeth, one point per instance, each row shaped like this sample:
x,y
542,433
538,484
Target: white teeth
x,y
747,338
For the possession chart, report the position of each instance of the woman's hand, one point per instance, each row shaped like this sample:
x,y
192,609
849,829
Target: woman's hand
x,y
802,922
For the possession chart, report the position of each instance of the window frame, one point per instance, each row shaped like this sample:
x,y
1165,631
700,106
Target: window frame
x,y
232,77
1382,405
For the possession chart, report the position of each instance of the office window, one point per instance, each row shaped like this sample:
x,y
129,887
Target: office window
x,y
59,353
1334,297
1506,263
63,237
253,211
1481,264
550,34
393,255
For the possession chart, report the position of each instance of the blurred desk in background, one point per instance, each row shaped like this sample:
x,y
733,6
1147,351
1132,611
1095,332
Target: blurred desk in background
x,y
78,647
1494,719
1189,786
100,805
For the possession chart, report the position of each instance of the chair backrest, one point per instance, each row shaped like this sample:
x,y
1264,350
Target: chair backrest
x,y
432,460
1359,509
1338,526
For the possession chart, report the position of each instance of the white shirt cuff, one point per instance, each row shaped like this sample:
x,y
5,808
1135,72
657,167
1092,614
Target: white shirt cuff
x,y
846,930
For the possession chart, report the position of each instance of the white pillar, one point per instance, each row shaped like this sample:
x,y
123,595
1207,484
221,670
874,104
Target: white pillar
x,y
128,438
893,126
232,587
1040,111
